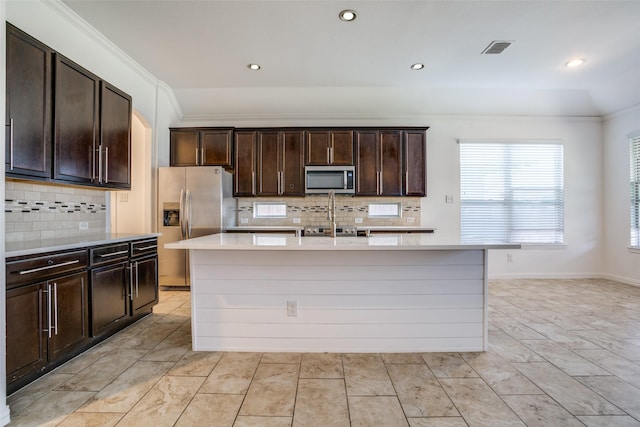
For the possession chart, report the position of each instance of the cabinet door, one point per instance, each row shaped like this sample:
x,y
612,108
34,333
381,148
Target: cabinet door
x,y
26,335
342,147
184,148
291,165
318,143
28,111
145,286
115,136
244,177
268,176
109,296
76,124
367,177
391,176
216,147
70,304
415,158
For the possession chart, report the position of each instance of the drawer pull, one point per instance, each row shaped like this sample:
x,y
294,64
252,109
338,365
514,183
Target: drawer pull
x,y
114,254
48,267
146,248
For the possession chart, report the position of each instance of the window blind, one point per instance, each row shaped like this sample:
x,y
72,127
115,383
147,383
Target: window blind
x,y
512,192
635,191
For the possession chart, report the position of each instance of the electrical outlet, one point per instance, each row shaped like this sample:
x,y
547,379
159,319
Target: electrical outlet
x,y
358,220
83,225
292,308
244,220
509,258
410,219
124,197
296,220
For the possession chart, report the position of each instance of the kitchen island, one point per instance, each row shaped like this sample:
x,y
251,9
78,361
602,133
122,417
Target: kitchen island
x,y
390,293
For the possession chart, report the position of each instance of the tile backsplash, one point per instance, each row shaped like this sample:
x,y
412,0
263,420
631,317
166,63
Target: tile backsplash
x,y
36,211
312,211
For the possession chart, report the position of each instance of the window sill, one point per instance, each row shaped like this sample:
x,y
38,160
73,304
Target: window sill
x,y
634,249
543,246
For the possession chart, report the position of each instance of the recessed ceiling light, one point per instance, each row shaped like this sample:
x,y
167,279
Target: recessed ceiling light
x,y
417,66
254,67
347,15
575,62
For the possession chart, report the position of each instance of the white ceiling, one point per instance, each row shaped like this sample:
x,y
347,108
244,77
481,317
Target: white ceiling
x,y
315,64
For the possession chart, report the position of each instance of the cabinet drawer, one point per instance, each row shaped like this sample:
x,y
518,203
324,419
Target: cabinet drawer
x,y
144,247
42,267
111,253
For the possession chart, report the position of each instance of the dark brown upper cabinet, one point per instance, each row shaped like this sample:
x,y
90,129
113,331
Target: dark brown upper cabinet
x,y
76,156
244,177
379,162
329,147
63,123
201,147
115,137
280,163
28,106
415,163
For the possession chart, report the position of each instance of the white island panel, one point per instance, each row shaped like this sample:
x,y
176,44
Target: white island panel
x,y
382,300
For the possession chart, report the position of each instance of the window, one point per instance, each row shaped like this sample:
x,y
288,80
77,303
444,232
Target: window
x,y
635,190
384,210
511,192
269,210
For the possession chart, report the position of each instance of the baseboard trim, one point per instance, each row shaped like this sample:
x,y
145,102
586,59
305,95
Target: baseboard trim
x,y
5,416
607,276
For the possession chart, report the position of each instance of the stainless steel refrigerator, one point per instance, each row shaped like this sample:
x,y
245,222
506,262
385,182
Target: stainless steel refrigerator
x,y
193,202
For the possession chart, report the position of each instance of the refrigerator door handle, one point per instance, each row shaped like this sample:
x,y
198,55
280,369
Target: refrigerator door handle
x,y
183,220
188,203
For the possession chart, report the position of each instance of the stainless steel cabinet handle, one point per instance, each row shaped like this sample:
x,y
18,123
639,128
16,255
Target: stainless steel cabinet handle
x,y
106,165
130,282
49,309
381,183
331,155
146,248
11,143
197,157
48,267
113,254
137,279
328,154
253,183
406,181
100,164
202,154
55,305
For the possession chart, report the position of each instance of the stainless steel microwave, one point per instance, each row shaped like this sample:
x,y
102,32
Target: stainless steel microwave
x,y
322,179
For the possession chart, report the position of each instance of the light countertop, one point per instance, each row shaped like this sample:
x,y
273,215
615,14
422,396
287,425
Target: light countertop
x,y
32,247
288,242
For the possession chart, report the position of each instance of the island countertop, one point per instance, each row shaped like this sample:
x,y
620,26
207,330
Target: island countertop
x,y
284,242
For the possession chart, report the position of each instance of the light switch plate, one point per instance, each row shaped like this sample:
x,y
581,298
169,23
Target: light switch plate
x,y
296,220
358,220
124,197
244,220
449,198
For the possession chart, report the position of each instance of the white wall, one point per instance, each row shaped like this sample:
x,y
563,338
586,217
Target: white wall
x,y
620,263
130,210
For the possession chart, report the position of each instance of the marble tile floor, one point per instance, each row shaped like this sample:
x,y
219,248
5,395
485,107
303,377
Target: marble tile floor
x,y
562,353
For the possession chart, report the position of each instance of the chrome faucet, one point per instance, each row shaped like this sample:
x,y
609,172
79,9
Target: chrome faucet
x,y
331,213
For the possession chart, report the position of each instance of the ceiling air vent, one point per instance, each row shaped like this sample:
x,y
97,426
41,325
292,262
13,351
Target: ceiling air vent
x,y
496,47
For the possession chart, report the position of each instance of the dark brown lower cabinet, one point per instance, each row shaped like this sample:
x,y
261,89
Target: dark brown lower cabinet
x,y
45,321
108,297
59,304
